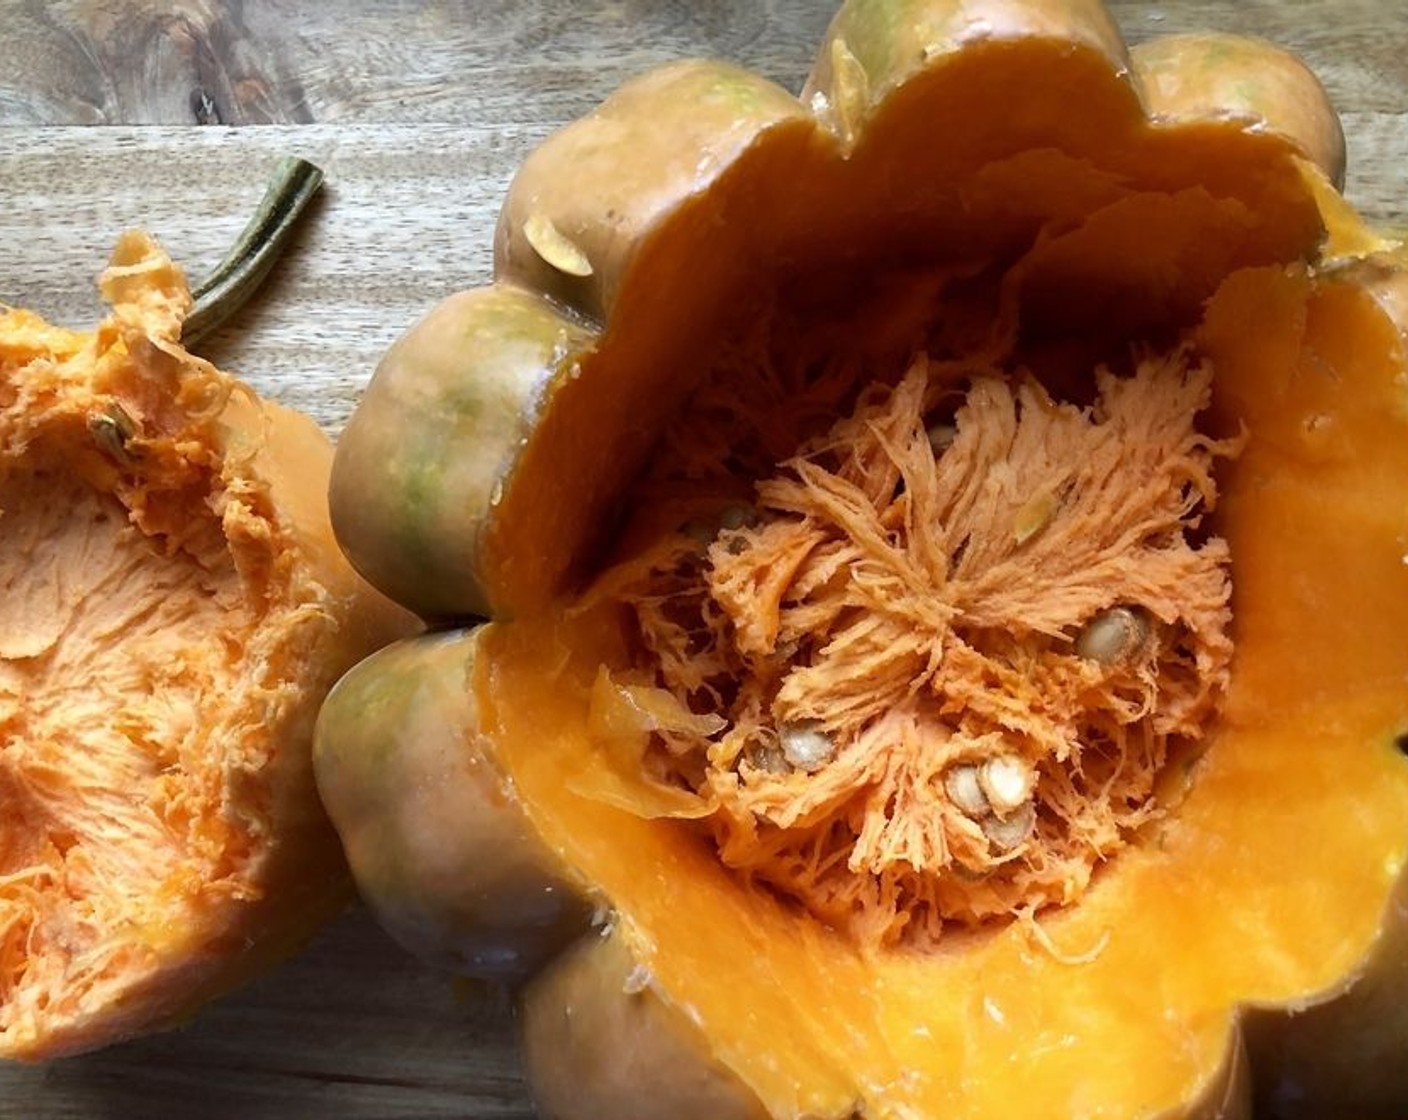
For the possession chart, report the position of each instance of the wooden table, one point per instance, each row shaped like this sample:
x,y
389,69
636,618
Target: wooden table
x,y
112,115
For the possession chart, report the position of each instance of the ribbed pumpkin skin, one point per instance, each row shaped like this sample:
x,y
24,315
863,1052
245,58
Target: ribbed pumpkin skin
x,y
1183,190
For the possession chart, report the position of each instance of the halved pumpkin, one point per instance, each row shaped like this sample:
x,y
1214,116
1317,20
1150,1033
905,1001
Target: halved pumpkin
x,y
173,609
945,543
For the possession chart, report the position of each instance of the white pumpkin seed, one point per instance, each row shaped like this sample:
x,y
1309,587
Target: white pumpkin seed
x,y
1011,832
941,437
768,758
965,791
806,745
555,247
1114,636
1007,782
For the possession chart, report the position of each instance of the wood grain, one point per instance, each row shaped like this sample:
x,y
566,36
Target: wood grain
x,y
283,61
406,216
481,61
353,1029
419,111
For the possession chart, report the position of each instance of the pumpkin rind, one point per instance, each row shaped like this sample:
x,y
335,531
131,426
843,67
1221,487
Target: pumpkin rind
x,y
688,148
598,1044
417,517
418,806
932,134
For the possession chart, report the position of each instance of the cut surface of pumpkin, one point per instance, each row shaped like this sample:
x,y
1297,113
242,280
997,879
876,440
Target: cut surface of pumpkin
x,y
171,610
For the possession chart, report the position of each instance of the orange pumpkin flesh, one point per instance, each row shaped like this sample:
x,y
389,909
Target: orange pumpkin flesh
x,y
1093,206
174,609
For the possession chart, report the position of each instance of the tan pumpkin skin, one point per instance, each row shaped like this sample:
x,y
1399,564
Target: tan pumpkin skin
x,y
681,207
1188,78
598,1044
702,119
411,514
441,851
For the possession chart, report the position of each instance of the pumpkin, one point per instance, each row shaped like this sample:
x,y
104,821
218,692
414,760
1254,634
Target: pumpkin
x,y
919,576
174,609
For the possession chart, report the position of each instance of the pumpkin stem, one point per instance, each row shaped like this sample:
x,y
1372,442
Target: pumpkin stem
x,y
235,279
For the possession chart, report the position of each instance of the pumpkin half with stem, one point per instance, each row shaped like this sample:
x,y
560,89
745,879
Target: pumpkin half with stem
x,y
943,544
173,609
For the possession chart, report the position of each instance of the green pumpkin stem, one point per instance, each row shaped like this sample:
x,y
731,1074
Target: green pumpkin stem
x,y
294,183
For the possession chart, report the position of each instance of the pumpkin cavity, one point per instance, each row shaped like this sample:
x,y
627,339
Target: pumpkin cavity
x,y
947,672
113,791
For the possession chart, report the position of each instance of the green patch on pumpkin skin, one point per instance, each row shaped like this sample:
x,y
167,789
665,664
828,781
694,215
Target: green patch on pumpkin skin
x,y
421,490
730,89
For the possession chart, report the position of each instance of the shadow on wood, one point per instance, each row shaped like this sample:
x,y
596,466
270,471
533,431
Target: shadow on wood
x,y
352,1028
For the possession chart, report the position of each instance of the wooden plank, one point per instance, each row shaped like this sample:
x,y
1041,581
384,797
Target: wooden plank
x,y
353,1028
406,217
438,61
262,61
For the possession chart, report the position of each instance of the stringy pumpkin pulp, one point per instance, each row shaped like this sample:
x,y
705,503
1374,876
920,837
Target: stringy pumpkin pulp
x,y
931,668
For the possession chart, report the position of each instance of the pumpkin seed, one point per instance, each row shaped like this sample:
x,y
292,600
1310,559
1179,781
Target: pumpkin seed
x,y
637,980
1033,517
806,745
850,90
1011,832
768,758
113,430
1113,636
555,247
1006,782
941,437
965,791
